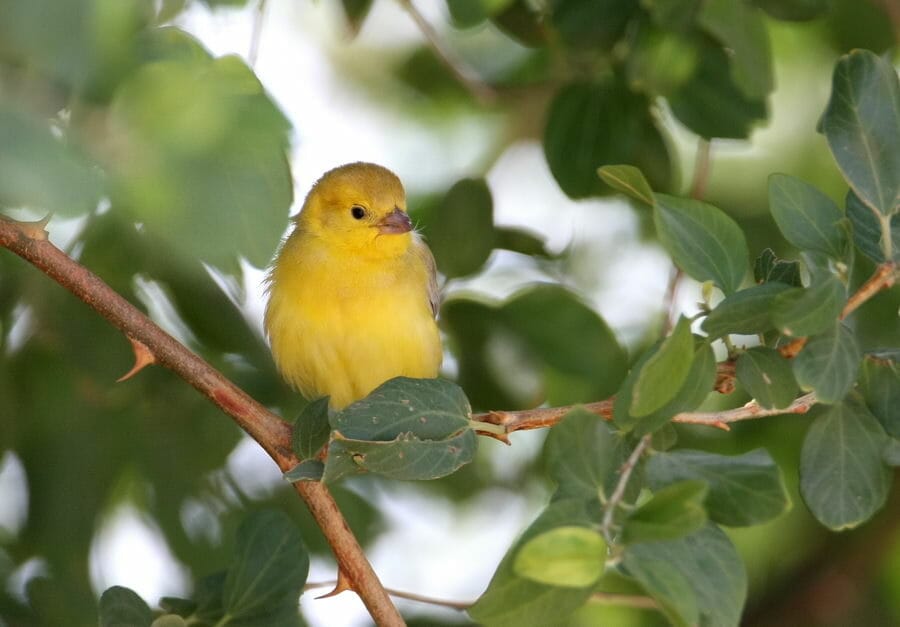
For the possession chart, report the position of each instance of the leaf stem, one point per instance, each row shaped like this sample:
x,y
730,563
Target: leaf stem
x,y
609,509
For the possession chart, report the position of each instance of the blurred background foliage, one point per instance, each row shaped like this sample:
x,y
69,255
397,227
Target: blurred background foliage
x,y
168,171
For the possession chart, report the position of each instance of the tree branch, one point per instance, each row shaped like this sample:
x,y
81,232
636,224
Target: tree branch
x,y
609,507
29,241
400,594
885,276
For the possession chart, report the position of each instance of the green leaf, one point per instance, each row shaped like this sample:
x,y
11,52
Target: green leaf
x,y
678,15
514,601
571,557
355,12
744,490
268,569
461,228
40,172
843,479
741,28
522,22
767,377
879,384
862,125
770,269
891,453
828,364
704,242
711,105
801,312
700,574
867,234
663,375
407,457
583,455
590,125
591,24
169,620
629,180
431,409
520,241
746,312
307,470
122,607
674,511
794,10
661,61
808,218
311,429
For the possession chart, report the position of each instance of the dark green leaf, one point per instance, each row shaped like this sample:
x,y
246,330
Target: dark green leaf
x,y
520,241
842,476
880,387
513,601
522,22
629,180
570,557
741,28
175,605
269,567
801,312
676,15
355,12
661,61
664,374
808,218
767,377
209,596
674,511
770,269
867,234
583,455
307,470
431,409
745,312
704,242
592,24
891,453
590,125
461,228
122,607
311,429
862,125
794,10
704,563
828,364
744,489
406,457
711,105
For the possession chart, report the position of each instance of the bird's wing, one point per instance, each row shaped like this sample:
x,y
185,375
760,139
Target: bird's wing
x,y
434,291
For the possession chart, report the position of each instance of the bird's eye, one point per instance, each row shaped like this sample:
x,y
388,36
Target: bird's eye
x,y
357,212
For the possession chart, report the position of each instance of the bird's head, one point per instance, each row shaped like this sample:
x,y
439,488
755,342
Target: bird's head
x,y
360,207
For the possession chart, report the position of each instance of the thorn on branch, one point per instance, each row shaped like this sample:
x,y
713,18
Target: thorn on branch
x,y
341,585
36,230
143,357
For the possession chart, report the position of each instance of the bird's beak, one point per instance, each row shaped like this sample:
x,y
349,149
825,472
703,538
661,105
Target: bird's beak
x,y
395,222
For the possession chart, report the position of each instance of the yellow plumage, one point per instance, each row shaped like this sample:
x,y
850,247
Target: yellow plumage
x,y
352,291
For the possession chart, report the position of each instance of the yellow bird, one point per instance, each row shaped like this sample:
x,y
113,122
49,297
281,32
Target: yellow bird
x,y
352,292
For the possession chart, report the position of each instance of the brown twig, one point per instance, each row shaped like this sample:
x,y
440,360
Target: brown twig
x,y
612,503
400,594
885,276
272,433
481,91
749,411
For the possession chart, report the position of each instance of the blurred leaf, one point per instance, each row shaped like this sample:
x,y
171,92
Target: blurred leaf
x,y
862,125
664,373
828,364
700,574
39,171
795,10
629,180
711,105
891,453
122,607
741,28
522,22
583,455
867,233
767,377
571,557
269,568
673,14
208,174
469,13
702,240
808,218
672,512
520,241
744,490
514,601
661,61
746,312
590,125
209,595
770,269
596,24
307,470
842,476
428,408
169,620
175,605
461,228
355,12
879,384
311,429
800,312
406,457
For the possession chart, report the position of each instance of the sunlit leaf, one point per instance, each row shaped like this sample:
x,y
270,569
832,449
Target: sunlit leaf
x,y
672,512
663,375
570,557
629,180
